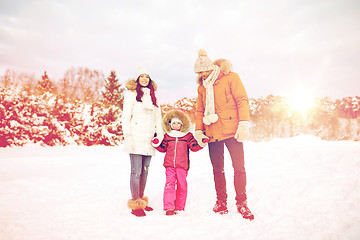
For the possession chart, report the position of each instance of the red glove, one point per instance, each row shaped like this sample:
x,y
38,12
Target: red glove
x,y
205,140
155,141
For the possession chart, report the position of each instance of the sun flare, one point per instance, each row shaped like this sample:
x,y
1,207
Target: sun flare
x,y
301,100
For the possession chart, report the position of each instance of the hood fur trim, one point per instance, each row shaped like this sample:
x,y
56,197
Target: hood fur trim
x,y
180,115
225,67
131,84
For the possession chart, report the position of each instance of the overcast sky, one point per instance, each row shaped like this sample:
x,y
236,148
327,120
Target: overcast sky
x,y
275,46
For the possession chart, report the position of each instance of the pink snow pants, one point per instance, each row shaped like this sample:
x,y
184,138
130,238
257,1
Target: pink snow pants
x,y
175,191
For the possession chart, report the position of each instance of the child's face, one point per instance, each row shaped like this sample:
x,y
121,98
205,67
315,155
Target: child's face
x,y
176,126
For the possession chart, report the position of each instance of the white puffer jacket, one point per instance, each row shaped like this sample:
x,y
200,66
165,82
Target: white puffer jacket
x,y
140,121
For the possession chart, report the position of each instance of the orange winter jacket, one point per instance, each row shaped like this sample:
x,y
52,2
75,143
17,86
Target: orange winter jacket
x,y
231,105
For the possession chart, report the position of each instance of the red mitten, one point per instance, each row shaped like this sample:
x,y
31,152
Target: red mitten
x,y
205,140
155,141
201,138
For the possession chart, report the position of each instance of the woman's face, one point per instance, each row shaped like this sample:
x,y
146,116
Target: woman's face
x,y
144,80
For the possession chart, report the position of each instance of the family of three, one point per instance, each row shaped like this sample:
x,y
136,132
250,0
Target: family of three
x,y
222,117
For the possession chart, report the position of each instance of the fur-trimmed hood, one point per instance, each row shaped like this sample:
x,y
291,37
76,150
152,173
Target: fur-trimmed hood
x,y
225,67
131,84
176,114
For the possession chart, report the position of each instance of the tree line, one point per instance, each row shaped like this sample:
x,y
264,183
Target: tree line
x,y
273,117
77,110
77,84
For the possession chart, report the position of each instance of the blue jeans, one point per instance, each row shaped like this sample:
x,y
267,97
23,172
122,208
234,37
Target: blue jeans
x,y
139,172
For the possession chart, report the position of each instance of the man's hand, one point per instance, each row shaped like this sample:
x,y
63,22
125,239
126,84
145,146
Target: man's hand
x,y
201,138
242,132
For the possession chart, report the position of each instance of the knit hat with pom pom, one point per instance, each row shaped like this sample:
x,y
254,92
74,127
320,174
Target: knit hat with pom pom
x,y
141,70
203,62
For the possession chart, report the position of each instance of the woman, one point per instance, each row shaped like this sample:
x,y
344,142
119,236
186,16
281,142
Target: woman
x,y
141,121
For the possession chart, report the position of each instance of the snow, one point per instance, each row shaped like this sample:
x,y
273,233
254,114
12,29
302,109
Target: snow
x,y
298,188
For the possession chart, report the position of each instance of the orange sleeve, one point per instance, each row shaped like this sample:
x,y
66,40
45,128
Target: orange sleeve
x,y
242,102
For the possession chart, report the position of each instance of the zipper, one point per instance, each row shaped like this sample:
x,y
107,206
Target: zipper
x,y
176,141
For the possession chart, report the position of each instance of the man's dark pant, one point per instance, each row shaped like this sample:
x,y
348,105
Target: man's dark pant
x,y
236,150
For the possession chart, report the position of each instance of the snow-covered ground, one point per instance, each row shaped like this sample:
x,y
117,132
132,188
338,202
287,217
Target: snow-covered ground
x,y
298,188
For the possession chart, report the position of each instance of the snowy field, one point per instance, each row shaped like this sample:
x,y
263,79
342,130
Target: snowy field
x,y
298,188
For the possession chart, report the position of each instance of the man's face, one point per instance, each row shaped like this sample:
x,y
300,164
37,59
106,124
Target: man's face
x,y
204,75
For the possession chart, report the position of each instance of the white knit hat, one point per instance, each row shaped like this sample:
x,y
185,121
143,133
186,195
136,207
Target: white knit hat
x,y
175,120
203,62
141,70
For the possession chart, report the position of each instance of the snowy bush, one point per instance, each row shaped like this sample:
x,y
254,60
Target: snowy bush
x,y
103,126
51,120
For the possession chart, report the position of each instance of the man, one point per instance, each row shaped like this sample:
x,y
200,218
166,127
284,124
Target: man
x,y
222,115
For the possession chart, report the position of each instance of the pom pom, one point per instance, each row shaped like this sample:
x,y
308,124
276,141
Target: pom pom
x,y
202,53
213,118
206,121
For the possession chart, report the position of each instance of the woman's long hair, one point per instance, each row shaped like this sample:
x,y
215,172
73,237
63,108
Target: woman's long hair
x,y
140,93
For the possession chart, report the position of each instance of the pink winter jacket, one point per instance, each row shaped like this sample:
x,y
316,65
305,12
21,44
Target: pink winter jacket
x,y
177,149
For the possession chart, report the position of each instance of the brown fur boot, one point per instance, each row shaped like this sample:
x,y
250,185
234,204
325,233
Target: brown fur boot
x,y
137,206
147,208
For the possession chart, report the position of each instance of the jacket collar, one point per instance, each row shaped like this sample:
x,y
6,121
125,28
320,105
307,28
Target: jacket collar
x,y
174,133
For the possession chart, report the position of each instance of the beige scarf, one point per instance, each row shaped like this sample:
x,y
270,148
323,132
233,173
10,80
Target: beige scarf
x,y
209,114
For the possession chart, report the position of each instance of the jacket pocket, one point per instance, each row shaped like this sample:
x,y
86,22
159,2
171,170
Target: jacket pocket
x,y
229,121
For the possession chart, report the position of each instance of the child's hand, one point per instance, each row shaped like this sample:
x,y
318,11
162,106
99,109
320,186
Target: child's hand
x,y
156,141
205,140
201,138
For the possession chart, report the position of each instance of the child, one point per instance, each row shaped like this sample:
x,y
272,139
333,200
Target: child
x,y
176,143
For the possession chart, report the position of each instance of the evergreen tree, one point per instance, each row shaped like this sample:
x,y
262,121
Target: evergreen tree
x,y
114,93
45,85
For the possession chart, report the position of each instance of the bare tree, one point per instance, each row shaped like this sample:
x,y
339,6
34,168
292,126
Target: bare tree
x,y
82,84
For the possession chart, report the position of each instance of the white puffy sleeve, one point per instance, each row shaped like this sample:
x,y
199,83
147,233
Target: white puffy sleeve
x,y
129,100
158,121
